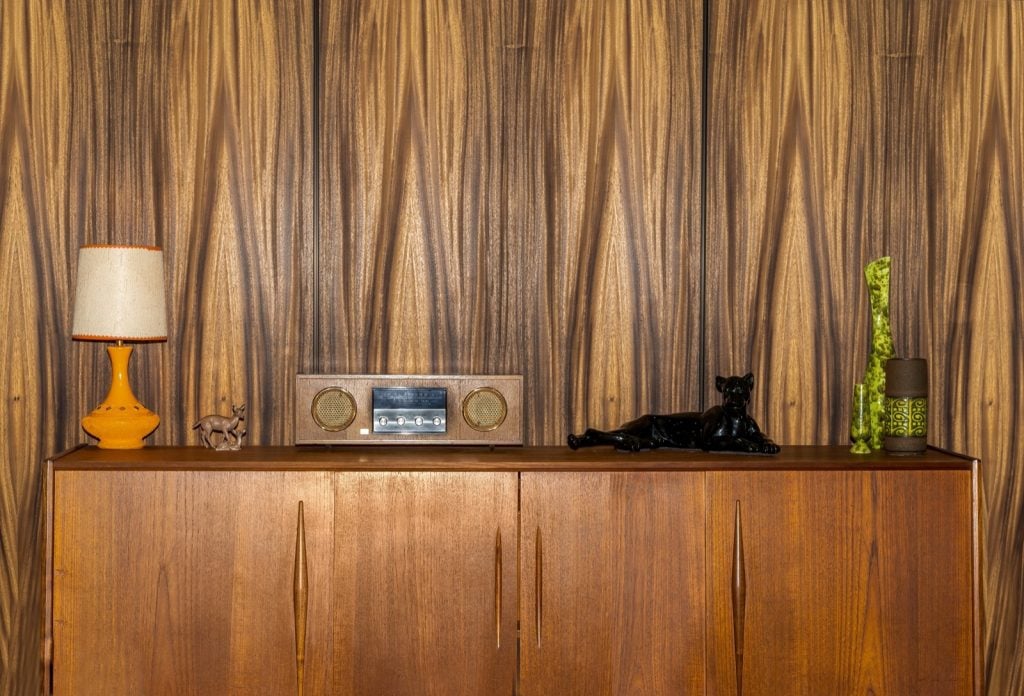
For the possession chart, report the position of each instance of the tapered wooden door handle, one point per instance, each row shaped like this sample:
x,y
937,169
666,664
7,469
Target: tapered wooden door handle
x,y
497,588
300,586
739,597
538,584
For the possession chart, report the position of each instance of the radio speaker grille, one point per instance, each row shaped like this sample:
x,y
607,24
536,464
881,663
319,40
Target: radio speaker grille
x,y
484,409
333,409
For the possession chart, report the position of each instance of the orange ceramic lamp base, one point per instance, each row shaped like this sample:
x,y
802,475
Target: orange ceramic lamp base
x,y
120,422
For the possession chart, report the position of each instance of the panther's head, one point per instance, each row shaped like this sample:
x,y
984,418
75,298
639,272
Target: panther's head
x,y
735,391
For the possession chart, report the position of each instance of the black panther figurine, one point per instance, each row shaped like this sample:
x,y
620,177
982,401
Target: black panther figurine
x,y
725,428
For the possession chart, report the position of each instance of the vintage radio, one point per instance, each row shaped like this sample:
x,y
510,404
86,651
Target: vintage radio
x,y
420,409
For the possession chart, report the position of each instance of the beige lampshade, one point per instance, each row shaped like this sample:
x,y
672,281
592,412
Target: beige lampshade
x,y
120,294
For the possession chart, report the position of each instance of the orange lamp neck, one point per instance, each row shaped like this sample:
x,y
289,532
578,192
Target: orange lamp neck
x,y
120,393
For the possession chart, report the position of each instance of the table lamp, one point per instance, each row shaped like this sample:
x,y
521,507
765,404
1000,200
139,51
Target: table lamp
x,y
120,297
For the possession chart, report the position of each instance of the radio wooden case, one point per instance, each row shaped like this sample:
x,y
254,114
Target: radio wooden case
x,y
414,409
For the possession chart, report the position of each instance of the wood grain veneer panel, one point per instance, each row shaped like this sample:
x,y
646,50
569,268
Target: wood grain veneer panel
x,y
972,169
612,594
235,200
856,582
819,116
105,170
414,584
184,125
514,187
415,274
182,582
603,181
794,166
34,125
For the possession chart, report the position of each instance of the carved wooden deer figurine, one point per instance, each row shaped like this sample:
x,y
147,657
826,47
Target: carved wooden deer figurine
x,y
228,427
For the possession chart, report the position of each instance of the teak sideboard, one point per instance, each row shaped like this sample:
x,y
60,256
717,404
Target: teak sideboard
x,y
534,571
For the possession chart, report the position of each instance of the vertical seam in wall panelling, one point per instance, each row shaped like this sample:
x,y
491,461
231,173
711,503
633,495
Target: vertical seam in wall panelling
x,y
702,363
315,285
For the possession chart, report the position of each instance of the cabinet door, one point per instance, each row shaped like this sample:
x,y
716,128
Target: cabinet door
x,y
424,598
855,583
612,583
183,582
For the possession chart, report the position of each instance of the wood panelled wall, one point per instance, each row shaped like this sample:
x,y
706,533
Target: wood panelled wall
x,y
617,199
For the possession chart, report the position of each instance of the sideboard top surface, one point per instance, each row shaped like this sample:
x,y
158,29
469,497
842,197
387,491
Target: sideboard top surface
x,y
442,458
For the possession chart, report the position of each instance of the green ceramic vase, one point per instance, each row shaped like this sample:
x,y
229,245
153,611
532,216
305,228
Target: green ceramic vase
x,y
859,432
877,275
906,405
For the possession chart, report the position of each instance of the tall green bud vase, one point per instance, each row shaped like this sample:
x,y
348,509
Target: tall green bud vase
x,y
877,275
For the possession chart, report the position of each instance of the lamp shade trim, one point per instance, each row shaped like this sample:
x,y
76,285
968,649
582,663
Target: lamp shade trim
x,y
133,339
145,247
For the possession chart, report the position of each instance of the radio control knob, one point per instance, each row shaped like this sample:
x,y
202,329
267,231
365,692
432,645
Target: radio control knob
x,y
400,420
437,420
383,420
419,420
